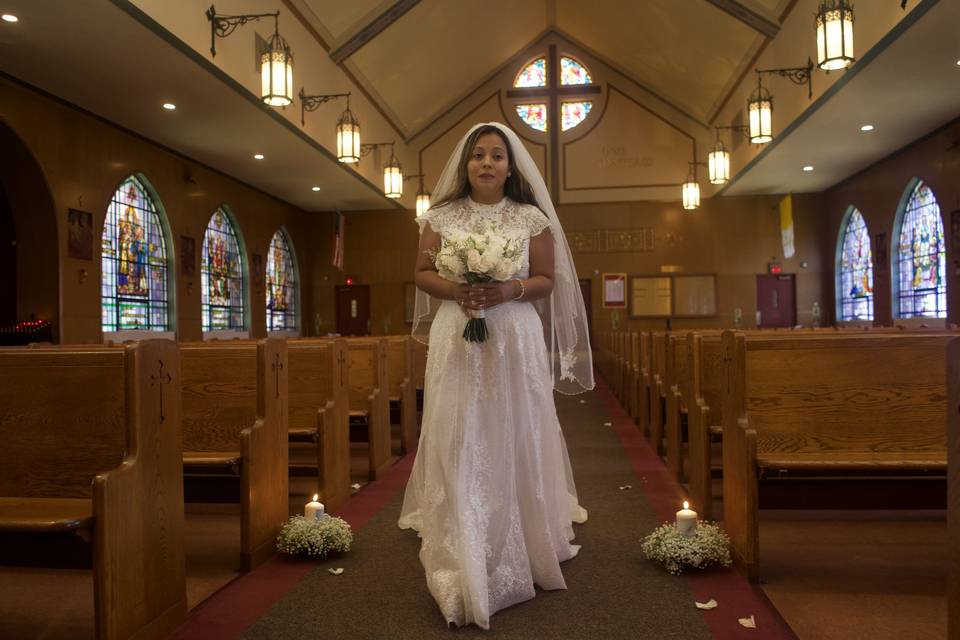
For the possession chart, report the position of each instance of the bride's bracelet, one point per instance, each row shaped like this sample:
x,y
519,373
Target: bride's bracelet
x,y
522,289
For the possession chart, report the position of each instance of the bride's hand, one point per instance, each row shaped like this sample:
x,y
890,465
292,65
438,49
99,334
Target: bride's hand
x,y
463,295
491,294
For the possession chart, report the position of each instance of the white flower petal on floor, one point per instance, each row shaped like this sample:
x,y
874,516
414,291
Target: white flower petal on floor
x,y
709,604
608,424
749,623
626,486
336,571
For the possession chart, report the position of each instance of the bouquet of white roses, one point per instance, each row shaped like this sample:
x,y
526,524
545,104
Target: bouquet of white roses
x,y
485,254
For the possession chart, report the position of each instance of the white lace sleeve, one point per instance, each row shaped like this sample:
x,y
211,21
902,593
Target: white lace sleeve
x,y
436,217
534,219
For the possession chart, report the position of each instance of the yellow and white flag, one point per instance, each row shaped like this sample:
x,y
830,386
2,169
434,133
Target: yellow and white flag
x,y
786,226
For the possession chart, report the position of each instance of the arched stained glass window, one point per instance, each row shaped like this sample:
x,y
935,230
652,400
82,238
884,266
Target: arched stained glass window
x,y
573,72
533,75
221,276
921,258
573,113
134,284
281,285
534,115
855,277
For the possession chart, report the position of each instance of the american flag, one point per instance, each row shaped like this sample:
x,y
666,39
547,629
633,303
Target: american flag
x,y
338,242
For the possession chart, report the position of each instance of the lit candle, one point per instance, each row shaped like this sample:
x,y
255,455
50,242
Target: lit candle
x,y
686,520
314,509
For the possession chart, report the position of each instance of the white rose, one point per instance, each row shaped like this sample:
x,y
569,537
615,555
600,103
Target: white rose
x,y
488,261
454,265
504,269
473,260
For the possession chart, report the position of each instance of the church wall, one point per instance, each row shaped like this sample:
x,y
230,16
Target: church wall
x,y
84,159
877,193
733,238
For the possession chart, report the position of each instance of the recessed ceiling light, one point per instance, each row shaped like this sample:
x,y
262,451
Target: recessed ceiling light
x,y
169,106
866,127
258,156
315,189
809,167
9,17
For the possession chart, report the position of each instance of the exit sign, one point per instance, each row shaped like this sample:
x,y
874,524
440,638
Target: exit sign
x,y
774,267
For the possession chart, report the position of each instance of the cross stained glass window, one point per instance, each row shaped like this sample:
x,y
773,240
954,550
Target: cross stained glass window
x,y
856,271
573,113
281,285
221,276
921,258
572,72
532,75
534,115
134,282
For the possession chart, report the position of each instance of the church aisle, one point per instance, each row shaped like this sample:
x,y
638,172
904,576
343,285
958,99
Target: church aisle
x,y
613,592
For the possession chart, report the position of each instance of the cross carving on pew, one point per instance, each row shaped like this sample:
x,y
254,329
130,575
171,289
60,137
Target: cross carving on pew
x,y
277,366
161,378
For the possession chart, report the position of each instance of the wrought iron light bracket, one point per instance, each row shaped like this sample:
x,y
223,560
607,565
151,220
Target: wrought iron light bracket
x,y
312,103
365,149
739,128
223,25
797,75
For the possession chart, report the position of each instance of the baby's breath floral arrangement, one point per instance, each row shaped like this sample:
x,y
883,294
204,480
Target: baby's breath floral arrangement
x,y
314,538
487,253
707,545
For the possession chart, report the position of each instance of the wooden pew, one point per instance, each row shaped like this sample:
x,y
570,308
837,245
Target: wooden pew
x,y
658,387
706,384
869,404
633,394
91,445
367,358
419,371
319,406
644,379
401,389
235,421
676,383
953,489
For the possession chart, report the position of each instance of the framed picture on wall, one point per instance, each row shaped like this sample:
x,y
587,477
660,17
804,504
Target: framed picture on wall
x,y
650,297
188,256
80,234
614,290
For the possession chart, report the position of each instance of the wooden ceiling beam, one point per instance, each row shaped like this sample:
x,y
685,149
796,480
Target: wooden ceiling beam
x,y
371,30
748,17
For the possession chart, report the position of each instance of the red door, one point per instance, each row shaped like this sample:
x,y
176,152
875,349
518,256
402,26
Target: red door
x,y
776,301
353,310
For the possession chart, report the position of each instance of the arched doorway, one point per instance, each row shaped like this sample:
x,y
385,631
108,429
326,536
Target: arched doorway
x,y
27,216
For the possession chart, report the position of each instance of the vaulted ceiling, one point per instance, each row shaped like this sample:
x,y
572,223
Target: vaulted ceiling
x,y
688,52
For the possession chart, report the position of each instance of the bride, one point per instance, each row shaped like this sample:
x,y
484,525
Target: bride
x,y
492,493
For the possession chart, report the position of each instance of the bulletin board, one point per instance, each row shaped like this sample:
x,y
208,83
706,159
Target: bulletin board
x,y
650,297
695,295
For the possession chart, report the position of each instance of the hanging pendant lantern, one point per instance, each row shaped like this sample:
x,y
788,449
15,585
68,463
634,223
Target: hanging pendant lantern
x,y
760,112
691,190
276,72
423,203
348,137
392,177
834,23
718,164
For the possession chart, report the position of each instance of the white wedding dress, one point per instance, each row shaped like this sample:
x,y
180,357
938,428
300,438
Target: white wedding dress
x,y
491,492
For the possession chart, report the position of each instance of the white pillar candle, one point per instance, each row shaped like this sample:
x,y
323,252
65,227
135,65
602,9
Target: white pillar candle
x,y
686,520
313,510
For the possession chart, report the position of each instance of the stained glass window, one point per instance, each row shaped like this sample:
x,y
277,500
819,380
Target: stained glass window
x,y
534,115
573,113
281,286
572,72
855,289
134,285
221,276
533,75
921,256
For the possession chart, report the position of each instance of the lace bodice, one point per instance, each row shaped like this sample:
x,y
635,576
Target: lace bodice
x,y
464,214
